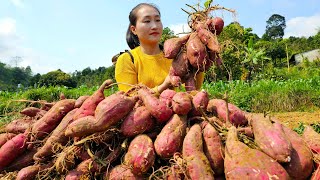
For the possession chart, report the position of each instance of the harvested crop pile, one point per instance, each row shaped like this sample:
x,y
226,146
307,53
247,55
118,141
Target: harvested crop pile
x,y
135,142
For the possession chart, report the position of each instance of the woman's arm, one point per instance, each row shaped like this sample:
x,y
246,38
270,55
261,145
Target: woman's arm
x,y
125,72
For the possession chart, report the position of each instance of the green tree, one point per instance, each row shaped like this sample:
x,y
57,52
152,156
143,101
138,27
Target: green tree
x,y
275,27
166,34
57,78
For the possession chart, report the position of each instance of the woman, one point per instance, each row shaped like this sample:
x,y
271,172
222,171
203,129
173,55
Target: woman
x,y
148,66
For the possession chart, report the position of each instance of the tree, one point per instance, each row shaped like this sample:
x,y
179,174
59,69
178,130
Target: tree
x,y
57,78
275,27
167,33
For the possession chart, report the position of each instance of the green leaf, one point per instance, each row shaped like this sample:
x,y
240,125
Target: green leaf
x,y
207,3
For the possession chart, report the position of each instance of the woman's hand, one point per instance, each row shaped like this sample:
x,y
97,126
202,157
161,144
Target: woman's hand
x,y
165,85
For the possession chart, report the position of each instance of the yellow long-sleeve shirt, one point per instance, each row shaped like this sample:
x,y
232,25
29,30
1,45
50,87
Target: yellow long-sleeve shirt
x,y
150,70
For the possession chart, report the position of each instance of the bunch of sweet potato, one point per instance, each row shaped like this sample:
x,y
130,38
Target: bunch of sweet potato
x,y
138,135
195,52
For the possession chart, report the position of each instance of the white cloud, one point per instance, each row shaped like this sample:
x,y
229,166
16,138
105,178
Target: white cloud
x,y
302,26
7,26
18,3
180,28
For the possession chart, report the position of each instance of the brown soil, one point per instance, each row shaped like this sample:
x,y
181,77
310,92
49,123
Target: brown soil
x,y
292,119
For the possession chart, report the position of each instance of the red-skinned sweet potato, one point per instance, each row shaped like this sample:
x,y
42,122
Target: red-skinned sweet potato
x,y
166,96
157,108
271,138
57,137
31,172
312,138
181,103
196,51
180,65
301,164
199,101
12,149
108,112
121,172
316,174
32,111
171,47
141,154
242,161
80,101
52,118
213,148
88,107
19,125
190,82
137,122
215,25
198,165
170,139
236,115
24,160
4,137
209,39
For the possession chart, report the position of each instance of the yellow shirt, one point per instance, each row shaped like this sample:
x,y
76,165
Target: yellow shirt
x,y
150,70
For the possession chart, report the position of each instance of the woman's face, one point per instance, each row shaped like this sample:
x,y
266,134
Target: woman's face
x,y
148,26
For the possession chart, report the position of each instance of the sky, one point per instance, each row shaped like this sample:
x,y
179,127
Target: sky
x,y
72,35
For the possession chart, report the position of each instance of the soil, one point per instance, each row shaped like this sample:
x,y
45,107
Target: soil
x,y
292,119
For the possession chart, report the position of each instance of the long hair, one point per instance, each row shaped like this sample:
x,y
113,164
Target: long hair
x,y
132,39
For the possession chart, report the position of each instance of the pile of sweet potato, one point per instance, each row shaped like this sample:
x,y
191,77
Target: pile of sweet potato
x,y
138,135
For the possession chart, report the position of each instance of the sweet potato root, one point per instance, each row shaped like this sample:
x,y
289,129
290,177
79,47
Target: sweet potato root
x,y
171,47
32,111
121,172
213,148
26,159
170,139
19,125
181,103
157,108
137,122
52,118
12,149
301,164
198,165
57,137
141,154
271,138
196,51
209,39
89,105
199,101
80,101
108,112
4,137
312,138
166,96
242,161
215,25
31,172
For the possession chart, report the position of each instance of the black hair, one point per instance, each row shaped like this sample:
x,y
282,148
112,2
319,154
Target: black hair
x,y
132,39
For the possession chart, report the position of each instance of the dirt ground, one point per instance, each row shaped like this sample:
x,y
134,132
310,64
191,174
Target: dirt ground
x,y
292,119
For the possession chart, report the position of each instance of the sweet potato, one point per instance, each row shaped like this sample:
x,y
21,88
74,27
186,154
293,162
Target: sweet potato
x,y
190,82
316,174
31,172
157,108
137,122
301,164
65,160
19,125
80,101
199,101
213,148
215,25
312,138
209,39
12,149
32,111
170,139
89,105
52,118
171,47
271,138
24,160
4,137
141,154
181,103
219,108
166,96
121,172
196,51
180,65
198,165
57,137
108,112
242,161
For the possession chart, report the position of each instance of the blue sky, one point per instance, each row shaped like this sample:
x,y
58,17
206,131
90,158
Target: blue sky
x,y
75,34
